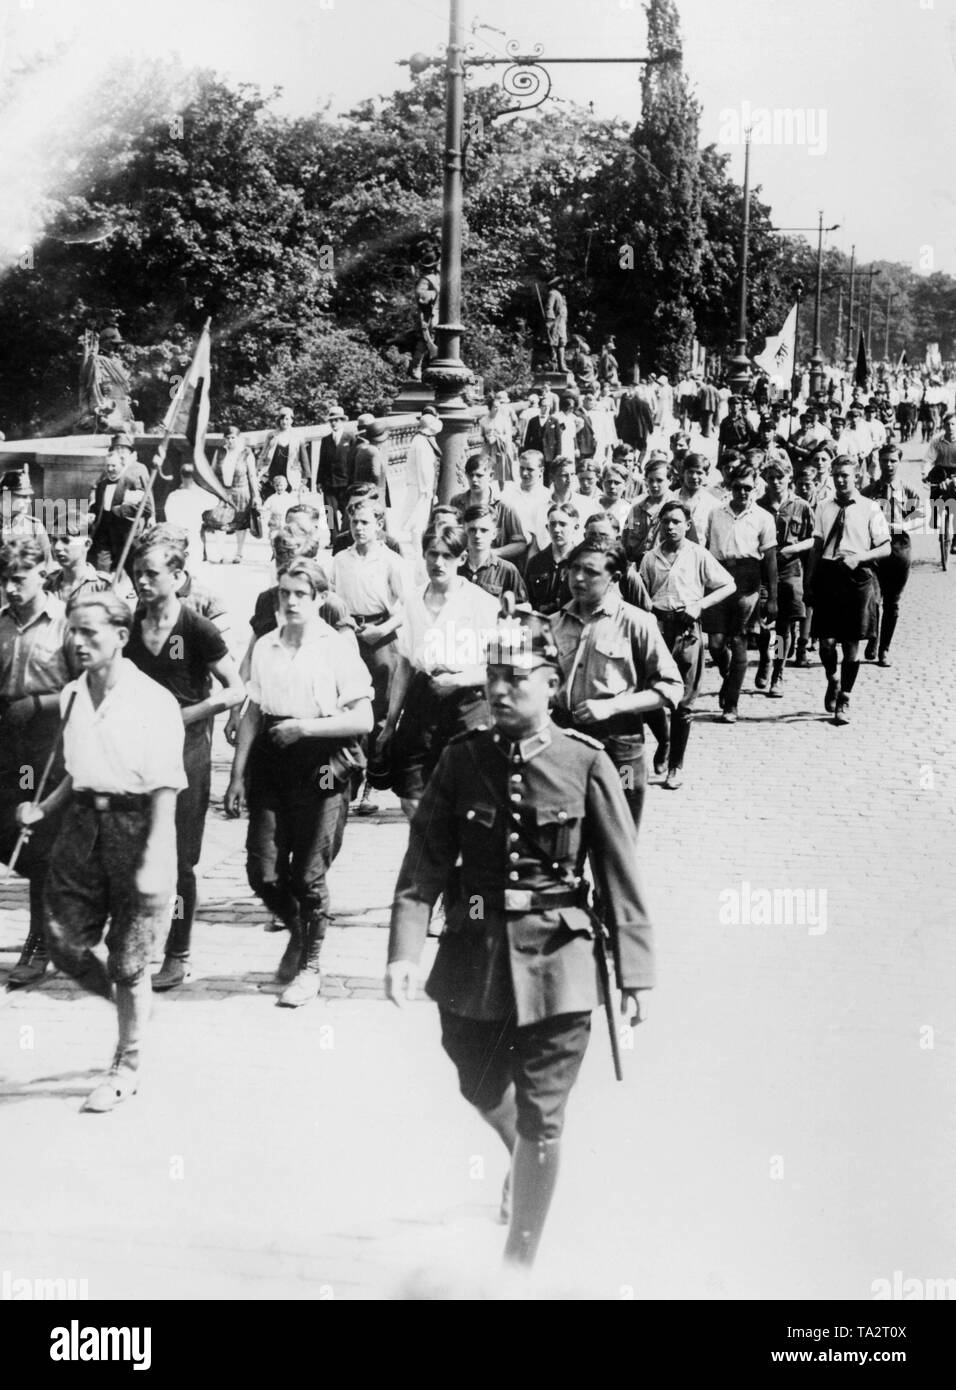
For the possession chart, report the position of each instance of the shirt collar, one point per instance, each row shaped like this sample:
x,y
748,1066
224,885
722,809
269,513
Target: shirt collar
x,y
608,606
525,749
51,607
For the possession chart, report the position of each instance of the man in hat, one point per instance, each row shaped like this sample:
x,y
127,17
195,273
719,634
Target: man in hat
x,y
734,432
503,830
115,501
556,319
903,508
370,462
332,469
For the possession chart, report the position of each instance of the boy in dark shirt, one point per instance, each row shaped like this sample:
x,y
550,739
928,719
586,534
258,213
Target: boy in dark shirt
x,y
181,651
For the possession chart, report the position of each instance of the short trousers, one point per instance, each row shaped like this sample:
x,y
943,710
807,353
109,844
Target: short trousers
x,y
541,1059
92,881
845,602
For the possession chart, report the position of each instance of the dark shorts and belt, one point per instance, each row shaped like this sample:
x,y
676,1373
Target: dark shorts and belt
x,y
732,617
845,602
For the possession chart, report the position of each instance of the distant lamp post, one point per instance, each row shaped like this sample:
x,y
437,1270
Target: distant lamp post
x,y
738,368
886,331
796,379
816,360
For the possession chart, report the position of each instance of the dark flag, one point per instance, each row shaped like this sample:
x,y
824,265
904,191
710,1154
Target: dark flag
x,y
862,371
904,360
192,415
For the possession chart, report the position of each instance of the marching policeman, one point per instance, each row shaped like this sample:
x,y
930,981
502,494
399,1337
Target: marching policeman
x,y
523,805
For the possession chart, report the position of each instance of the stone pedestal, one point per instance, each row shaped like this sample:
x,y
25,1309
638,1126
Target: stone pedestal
x,y
412,397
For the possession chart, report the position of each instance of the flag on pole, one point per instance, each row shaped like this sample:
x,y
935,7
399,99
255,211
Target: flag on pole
x,y
862,371
779,351
904,360
192,415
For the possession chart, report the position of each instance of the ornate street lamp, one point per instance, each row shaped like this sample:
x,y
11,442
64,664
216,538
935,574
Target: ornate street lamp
x,y
526,79
738,368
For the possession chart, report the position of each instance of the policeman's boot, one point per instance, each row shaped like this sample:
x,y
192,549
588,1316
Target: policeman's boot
x,y
34,959
133,1004
308,982
292,955
534,1172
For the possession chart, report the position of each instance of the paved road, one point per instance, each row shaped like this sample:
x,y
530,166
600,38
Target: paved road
x,y
785,1129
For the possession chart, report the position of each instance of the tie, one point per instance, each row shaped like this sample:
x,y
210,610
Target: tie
x,y
837,529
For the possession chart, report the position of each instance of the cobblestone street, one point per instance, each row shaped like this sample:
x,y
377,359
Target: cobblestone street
x,y
785,1128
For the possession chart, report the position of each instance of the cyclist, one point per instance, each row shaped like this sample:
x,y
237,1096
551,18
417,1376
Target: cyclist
x,y
941,475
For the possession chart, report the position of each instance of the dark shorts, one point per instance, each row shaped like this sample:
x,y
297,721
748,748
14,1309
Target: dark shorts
x,y
426,725
542,1060
91,881
734,615
845,602
790,601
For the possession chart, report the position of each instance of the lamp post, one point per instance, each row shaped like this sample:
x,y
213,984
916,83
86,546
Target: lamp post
x,y
527,79
886,333
738,368
849,312
874,275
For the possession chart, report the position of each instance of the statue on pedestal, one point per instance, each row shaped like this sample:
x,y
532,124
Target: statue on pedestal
x,y
556,318
426,309
105,383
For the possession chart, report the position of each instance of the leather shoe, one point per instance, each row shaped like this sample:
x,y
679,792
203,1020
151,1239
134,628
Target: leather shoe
x,y
306,986
288,966
729,716
763,675
801,658
660,759
175,971
884,659
831,697
673,779
31,966
118,1085
842,712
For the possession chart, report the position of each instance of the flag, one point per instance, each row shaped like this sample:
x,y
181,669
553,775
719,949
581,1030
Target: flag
x,y
778,355
903,362
191,416
862,371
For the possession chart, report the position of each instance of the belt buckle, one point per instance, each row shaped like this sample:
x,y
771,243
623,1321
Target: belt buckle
x,y
518,900
101,802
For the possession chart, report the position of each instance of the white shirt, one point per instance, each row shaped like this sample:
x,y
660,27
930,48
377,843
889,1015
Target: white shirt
x,y
369,584
740,535
457,637
312,681
132,744
584,506
185,507
700,506
864,527
532,508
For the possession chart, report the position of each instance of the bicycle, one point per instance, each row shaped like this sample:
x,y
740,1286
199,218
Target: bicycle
x,y
945,533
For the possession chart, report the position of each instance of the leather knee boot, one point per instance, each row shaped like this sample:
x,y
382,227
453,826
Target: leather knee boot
x,y
534,1172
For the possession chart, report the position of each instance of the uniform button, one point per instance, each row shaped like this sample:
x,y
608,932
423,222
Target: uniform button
x,y
515,796
514,876
469,815
514,838
514,857
562,815
516,777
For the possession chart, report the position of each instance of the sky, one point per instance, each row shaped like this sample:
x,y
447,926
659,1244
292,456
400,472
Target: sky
x,y
852,102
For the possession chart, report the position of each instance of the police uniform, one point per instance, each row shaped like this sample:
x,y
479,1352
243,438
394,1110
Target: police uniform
x,y
503,830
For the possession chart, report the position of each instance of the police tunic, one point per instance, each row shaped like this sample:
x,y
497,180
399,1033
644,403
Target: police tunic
x,y
518,941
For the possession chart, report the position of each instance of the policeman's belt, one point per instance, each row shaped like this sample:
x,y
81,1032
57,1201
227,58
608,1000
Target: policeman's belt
x,y
523,900
111,801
